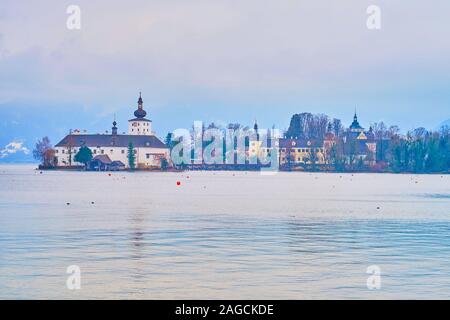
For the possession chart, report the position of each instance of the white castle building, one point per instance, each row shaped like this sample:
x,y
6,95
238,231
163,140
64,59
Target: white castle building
x,y
113,148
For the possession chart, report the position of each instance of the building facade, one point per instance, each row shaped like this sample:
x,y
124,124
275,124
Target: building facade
x,y
301,151
359,146
148,149
355,146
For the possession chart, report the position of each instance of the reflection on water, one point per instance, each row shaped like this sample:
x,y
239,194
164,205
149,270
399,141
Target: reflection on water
x,y
136,251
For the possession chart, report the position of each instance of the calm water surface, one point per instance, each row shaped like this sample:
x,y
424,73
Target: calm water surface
x,y
223,235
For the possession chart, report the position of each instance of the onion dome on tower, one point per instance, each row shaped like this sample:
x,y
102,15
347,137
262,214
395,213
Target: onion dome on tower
x,y
139,125
114,128
140,112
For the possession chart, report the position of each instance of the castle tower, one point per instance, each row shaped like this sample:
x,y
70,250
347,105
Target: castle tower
x,y
255,127
355,126
114,128
140,125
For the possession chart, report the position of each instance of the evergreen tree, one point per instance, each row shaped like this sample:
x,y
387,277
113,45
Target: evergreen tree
x,y
169,140
84,155
131,157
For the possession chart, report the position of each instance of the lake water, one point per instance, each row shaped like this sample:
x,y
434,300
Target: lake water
x,y
223,235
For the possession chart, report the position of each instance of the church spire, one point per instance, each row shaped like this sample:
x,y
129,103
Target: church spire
x,y
140,112
114,128
255,127
355,126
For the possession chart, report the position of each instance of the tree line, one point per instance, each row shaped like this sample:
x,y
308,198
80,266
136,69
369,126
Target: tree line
x,y
418,150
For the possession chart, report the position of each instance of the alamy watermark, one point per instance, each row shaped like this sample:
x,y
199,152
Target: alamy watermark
x,y
374,19
214,146
73,21
73,281
374,280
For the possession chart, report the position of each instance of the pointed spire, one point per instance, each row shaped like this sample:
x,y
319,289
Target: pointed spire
x,y
355,124
114,128
255,126
140,112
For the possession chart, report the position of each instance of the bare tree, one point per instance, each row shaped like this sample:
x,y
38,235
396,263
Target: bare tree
x,y
41,151
381,133
308,126
380,130
320,124
393,132
337,127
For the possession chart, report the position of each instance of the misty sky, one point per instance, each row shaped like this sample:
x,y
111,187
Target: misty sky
x,y
218,60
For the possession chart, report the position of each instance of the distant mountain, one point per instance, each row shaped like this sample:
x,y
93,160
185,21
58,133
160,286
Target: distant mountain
x,y
21,126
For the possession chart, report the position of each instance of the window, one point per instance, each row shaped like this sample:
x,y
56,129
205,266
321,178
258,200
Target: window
x,y
63,151
147,155
95,151
135,151
111,150
56,151
123,151
102,151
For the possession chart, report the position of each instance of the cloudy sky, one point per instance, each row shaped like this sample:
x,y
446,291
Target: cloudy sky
x,y
218,60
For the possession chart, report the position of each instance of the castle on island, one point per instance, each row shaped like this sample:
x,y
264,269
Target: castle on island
x,y
353,145
110,151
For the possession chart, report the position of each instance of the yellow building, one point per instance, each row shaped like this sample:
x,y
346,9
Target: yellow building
x,y
301,152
